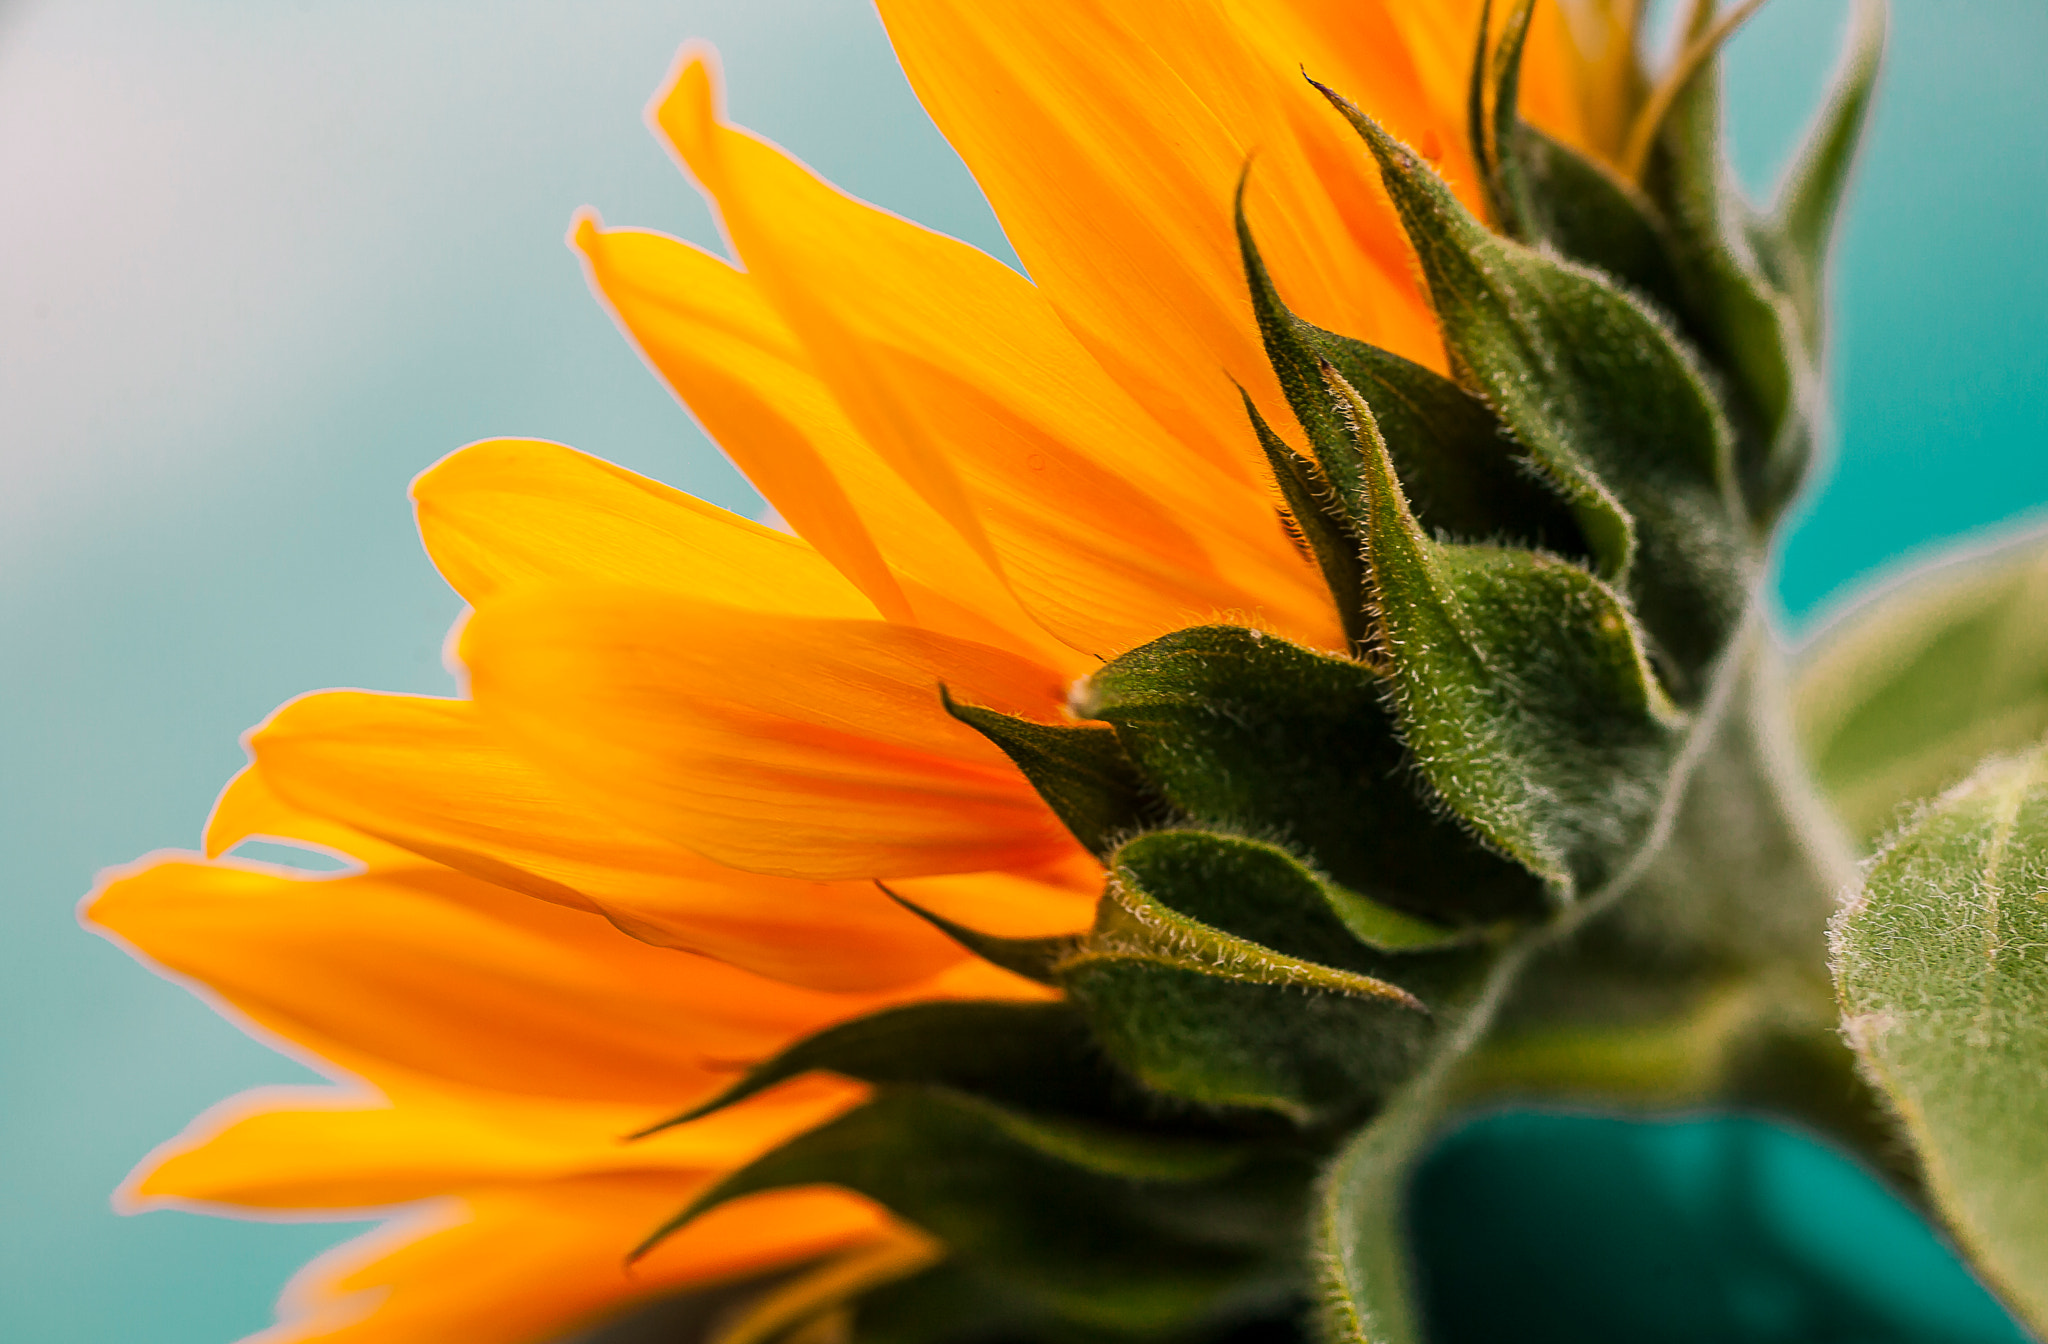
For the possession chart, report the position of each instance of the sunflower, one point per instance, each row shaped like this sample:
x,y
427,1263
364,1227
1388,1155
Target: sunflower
x,y
714,787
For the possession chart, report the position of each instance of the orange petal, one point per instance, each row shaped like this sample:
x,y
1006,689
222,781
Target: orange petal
x,y
1109,139
1440,37
429,775
248,809
719,343
798,748
434,974
514,510
1110,531
320,1148
533,1262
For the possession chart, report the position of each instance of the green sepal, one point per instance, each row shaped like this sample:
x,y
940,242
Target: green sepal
x,y
1245,732
949,1303
1317,519
1545,193
1589,214
1031,1056
1032,958
1258,890
1455,458
1491,95
1523,690
1802,217
1730,306
1942,968
1205,1014
1603,397
1106,1227
1081,772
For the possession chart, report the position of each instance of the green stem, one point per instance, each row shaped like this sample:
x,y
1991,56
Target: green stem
x,y
1705,982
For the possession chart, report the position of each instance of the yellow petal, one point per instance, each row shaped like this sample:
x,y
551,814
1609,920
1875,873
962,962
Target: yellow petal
x,y
322,1148
1110,531
514,510
533,1262
726,352
248,809
798,748
430,775
1109,139
437,975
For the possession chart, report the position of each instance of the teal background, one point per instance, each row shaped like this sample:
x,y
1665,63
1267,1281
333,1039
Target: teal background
x,y
262,261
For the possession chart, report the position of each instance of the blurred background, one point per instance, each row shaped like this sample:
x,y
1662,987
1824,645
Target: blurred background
x,y
263,260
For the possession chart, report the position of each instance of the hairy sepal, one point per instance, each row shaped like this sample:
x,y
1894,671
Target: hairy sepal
x,y
1523,690
1457,461
1545,193
1081,772
1244,732
1751,286
1115,1229
1604,398
1035,1056
1220,972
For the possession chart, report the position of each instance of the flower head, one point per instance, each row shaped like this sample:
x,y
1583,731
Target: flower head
x,y
717,788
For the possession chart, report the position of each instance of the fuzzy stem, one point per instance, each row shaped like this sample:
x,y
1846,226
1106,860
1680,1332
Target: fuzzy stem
x,y
1705,983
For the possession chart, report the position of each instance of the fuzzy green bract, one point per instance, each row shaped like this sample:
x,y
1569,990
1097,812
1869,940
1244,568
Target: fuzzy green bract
x,y
1530,832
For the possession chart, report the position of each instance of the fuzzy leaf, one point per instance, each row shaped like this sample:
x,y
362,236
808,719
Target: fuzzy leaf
x,y
1245,732
1522,688
1907,691
1081,773
1205,1014
1103,1226
1462,471
1604,398
1942,968
1030,1056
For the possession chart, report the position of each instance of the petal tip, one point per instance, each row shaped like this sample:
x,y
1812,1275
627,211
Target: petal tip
x,y
690,99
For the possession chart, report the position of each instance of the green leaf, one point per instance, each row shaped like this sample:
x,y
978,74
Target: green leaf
x,y
1214,1017
1942,968
1604,398
1081,773
1523,691
1242,731
1031,1056
1810,195
1904,693
1461,469
1107,1227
